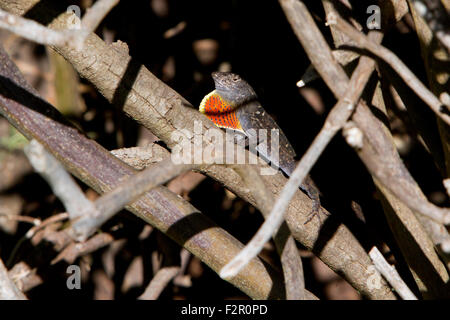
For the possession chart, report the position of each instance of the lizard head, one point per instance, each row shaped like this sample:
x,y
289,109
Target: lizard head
x,y
232,88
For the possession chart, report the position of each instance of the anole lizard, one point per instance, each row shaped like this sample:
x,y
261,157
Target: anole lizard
x,y
234,105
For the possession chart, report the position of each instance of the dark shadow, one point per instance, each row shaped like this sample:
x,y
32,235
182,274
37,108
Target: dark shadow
x,y
126,128
13,91
420,119
327,231
367,95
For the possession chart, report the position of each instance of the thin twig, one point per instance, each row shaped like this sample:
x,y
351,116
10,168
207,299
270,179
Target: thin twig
x,y
315,45
440,237
391,275
166,274
437,18
182,279
53,219
26,219
159,282
233,182
389,57
61,182
75,250
388,168
92,19
34,31
380,139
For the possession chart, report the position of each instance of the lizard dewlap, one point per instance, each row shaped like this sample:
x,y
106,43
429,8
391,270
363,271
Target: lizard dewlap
x,y
219,111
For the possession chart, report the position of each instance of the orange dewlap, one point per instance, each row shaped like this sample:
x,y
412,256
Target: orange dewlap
x,y
220,112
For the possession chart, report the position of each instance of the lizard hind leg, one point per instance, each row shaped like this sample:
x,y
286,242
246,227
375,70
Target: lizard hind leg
x,y
309,187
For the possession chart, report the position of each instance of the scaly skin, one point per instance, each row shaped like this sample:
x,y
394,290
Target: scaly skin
x,y
234,105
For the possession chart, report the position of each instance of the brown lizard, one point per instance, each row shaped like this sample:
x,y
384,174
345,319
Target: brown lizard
x,y
234,105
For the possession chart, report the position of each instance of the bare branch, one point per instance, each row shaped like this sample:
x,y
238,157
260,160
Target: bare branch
x,y
95,14
163,277
434,13
334,76
26,219
307,235
34,31
388,168
159,282
53,219
315,45
93,215
128,191
391,275
75,250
